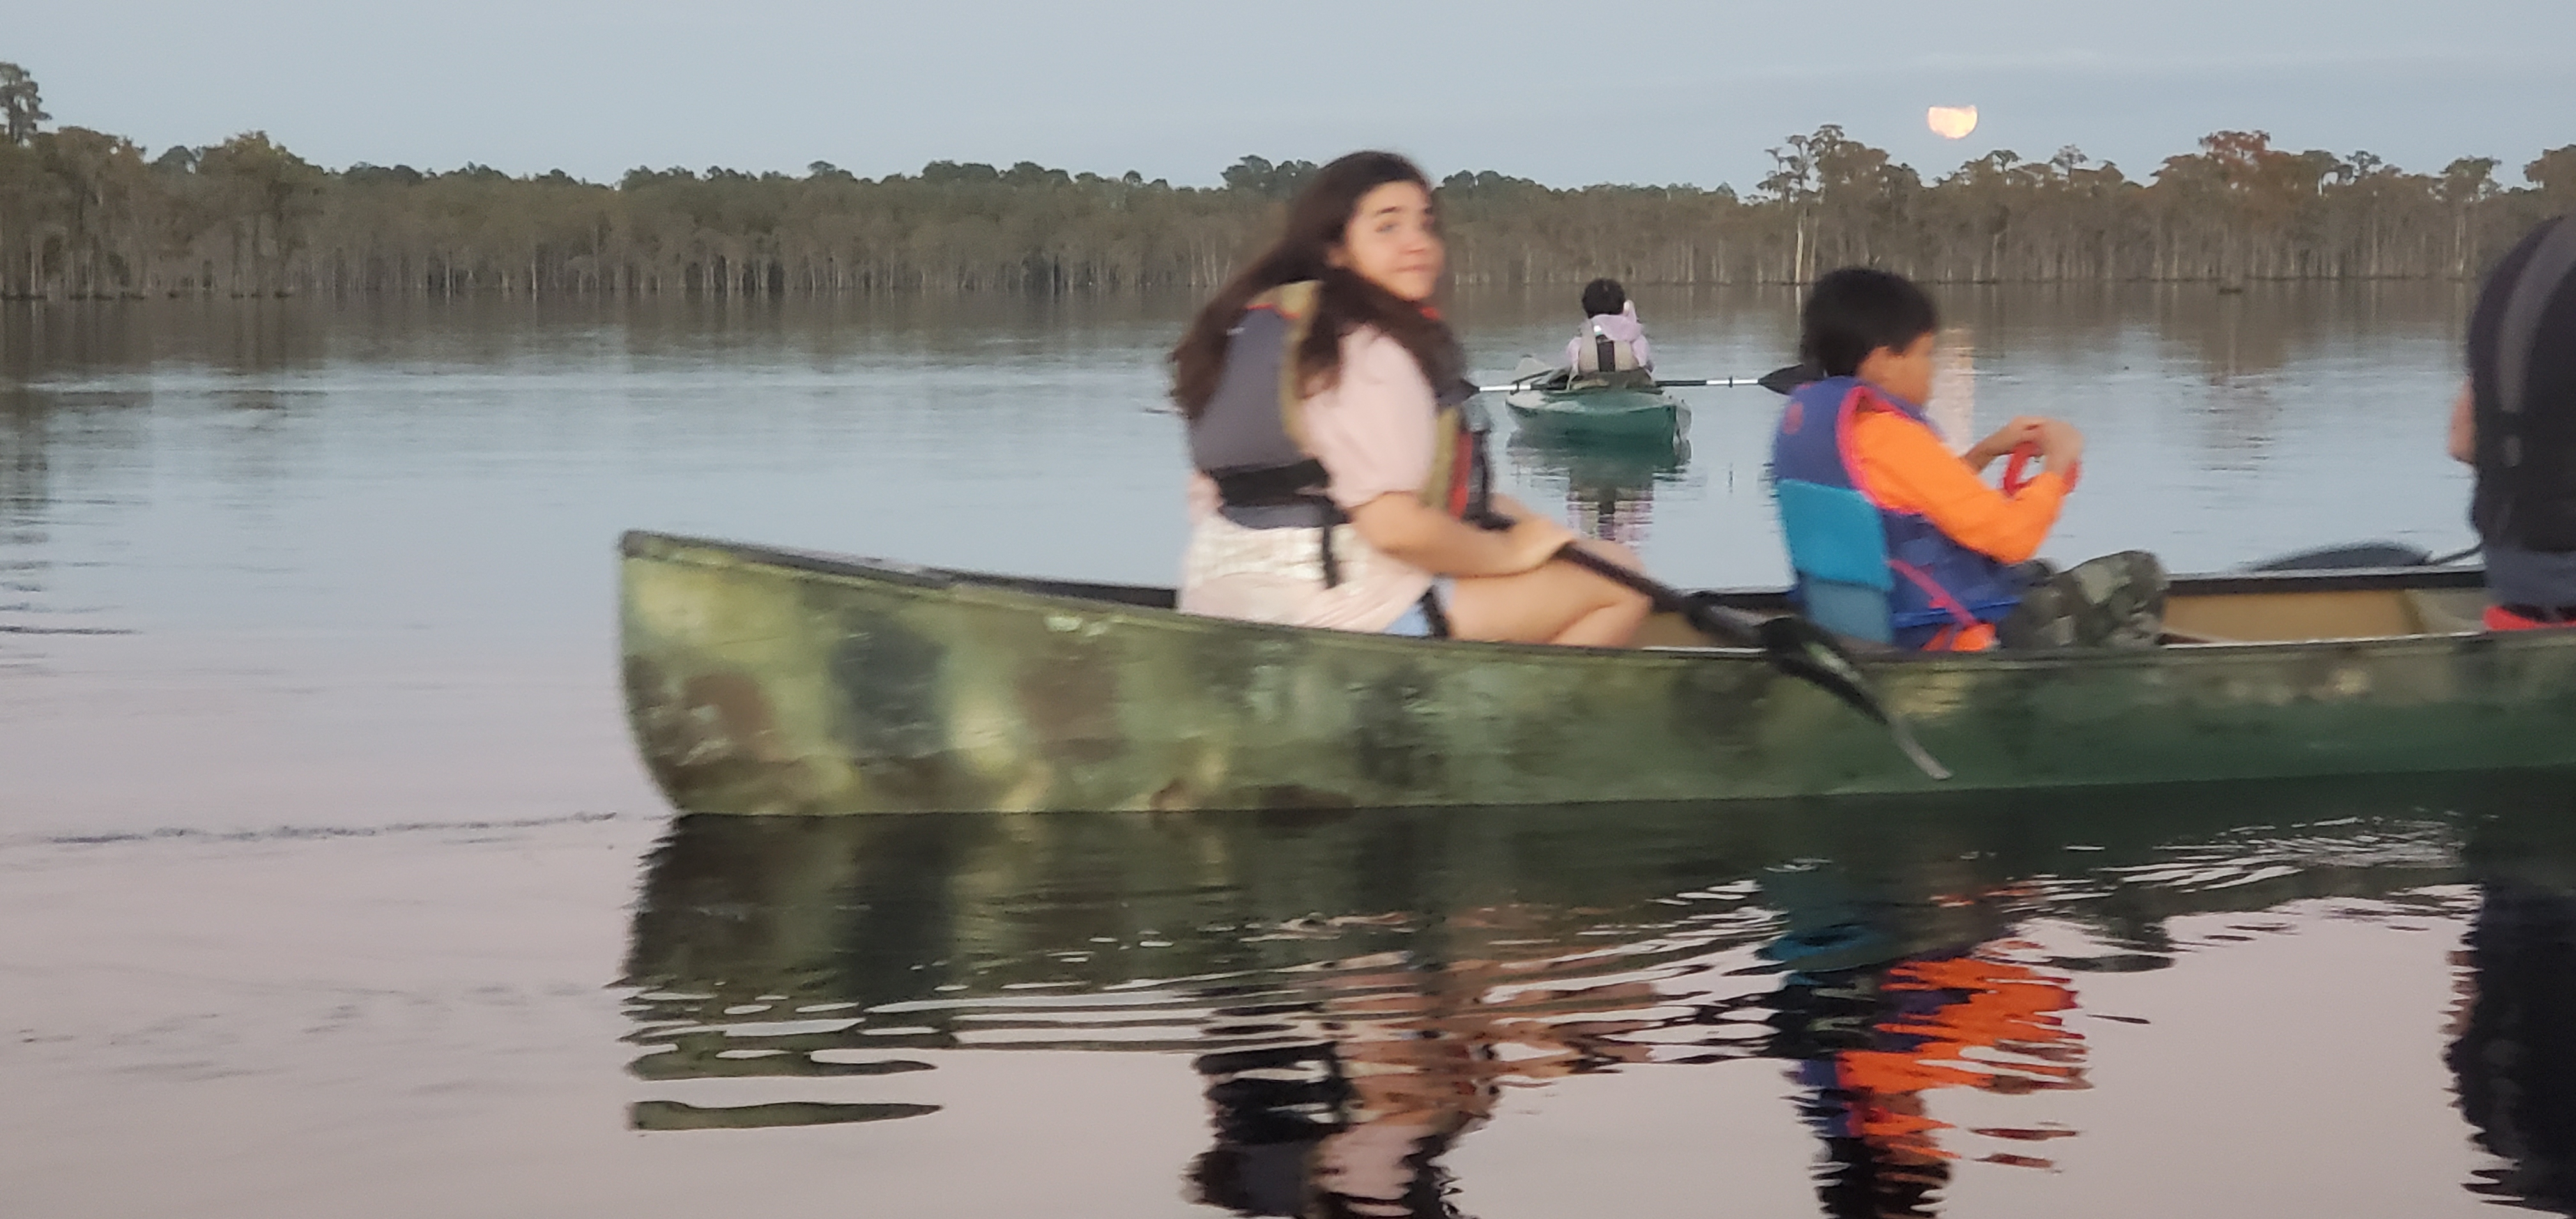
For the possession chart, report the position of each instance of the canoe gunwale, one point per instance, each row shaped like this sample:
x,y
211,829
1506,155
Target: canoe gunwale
x,y
1146,602
1038,594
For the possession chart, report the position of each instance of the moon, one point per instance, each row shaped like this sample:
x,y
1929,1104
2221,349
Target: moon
x,y
1951,122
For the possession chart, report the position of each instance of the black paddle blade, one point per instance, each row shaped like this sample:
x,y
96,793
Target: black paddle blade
x,y
1792,644
2338,558
1806,651
1785,381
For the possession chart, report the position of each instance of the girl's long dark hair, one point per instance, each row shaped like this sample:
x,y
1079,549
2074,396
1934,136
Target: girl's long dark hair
x,y
1316,222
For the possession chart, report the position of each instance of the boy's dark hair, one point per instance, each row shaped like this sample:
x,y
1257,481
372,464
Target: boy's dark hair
x,y
1603,296
1857,310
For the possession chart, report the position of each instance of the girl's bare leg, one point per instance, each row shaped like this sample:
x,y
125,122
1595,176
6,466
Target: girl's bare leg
x,y
1554,603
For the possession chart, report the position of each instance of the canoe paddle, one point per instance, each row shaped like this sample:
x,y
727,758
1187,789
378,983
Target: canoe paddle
x,y
1793,645
2363,554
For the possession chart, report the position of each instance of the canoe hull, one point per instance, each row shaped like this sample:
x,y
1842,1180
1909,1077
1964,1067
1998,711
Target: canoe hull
x,y
770,681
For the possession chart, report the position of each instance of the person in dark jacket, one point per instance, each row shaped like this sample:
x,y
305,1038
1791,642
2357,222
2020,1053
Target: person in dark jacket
x,y
2515,422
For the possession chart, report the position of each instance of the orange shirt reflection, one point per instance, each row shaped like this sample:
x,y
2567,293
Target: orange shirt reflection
x,y
1958,1022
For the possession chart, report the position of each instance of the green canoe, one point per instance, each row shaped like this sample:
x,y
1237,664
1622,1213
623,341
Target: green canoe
x,y
762,680
1619,406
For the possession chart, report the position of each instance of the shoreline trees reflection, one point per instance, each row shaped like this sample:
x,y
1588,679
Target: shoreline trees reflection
x,y
88,214
1357,990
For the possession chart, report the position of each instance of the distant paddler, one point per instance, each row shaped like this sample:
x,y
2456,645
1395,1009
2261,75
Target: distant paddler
x,y
1336,469
2515,422
1612,339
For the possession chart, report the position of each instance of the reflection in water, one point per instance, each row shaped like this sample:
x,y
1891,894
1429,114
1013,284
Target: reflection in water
x,y
1869,1045
1953,408
1387,1069
1609,485
2515,1057
1357,990
25,492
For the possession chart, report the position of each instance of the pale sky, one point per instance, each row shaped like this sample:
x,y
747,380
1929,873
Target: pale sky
x,y
1633,91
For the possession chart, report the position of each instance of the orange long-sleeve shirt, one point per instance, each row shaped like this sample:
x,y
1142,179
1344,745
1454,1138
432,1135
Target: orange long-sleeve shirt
x,y
1905,467
1908,469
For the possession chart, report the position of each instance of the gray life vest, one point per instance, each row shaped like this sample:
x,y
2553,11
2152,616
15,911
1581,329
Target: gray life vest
x,y
1249,439
1605,354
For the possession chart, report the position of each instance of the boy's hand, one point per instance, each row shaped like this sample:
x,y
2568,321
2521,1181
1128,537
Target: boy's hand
x,y
2022,430
2061,448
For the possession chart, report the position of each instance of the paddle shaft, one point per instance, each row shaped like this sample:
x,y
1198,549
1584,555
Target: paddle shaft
x,y
1727,627
1703,382
1792,645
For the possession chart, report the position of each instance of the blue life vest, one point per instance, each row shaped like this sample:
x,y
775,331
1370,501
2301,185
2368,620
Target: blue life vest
x,y
1863,569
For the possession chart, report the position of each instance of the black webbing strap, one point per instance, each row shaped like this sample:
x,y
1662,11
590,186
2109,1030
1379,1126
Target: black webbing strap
x,y
1605,352
1324,542
2519,335
1434,613
1288,486
1271,486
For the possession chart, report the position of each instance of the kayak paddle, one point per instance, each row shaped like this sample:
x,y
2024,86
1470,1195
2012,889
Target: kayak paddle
x,y
1715,382
1660,383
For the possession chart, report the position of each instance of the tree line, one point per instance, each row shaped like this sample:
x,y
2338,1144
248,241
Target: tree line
x,y
86,214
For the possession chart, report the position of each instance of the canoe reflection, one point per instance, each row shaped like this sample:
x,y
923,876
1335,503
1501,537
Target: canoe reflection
x,y
1609,486
1358,989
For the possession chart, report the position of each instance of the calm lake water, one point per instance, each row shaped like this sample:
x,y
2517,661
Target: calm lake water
x,y
329,884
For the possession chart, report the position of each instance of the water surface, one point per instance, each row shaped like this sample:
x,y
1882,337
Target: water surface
x,y
331,885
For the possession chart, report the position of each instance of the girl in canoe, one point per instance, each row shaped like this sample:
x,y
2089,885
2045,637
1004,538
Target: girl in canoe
x,y
1336,474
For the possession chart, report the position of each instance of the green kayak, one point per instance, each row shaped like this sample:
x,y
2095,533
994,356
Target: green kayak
x,y
1617,406
762,680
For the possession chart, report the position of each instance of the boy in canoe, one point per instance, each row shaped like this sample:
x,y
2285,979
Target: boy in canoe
x,y
1895,538
1612,339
